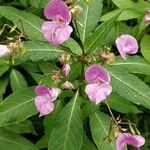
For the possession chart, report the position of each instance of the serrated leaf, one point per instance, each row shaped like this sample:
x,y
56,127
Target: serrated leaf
x,y
10,140
88,19
129,86
145,47
41,51
121,105
99,35
17,107
21,127
31,23
68,130
100,126
123,3
133,64
17,80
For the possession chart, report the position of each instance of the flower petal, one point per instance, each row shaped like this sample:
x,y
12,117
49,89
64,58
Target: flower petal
x,y
46,109
147,16
39,102
126,44
57,9
96,72
54,92
98,93
127,138
56,33
4,50
41,90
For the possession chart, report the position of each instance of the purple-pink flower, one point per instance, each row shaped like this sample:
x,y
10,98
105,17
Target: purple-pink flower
x,y
127,138
98,88
126,44
66,69
57,30
147,16
4,50
44,99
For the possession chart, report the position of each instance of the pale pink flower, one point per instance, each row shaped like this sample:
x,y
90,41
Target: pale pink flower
x,y
127,138
67,85
126,44
147,16
44,99
4,50
57,30
98,88
66,69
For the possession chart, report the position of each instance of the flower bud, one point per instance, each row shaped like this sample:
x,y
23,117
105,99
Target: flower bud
x,y
67,85
64,58
147,16
66,69
76,9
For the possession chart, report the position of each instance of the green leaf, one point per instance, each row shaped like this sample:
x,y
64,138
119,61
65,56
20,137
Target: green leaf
x,y
73,46
98,37
88,19
13,141
87,144
3,69
42,142
38,3
68,130
49,120
123,3
76,69
124,14
100,126
17,107
31,23
17,80
133,64
21,127
129,86
121,105
3,84
41,51
145,47
47,67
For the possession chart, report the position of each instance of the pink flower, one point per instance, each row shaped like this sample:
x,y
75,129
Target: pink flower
x,y
4,50
57,30
147,16
44,99
66,69
127,138
67,85
126,44
98,88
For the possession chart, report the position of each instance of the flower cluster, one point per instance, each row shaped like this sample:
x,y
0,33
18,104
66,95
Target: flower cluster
x,y
57,30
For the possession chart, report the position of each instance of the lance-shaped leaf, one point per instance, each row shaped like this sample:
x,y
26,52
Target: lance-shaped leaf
x,y
13,141
17,107
133,64
40,51
68,129
99,35
17,80
129,86
3,69
88,19
31,23
3,84
123,4
100,127
145,47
